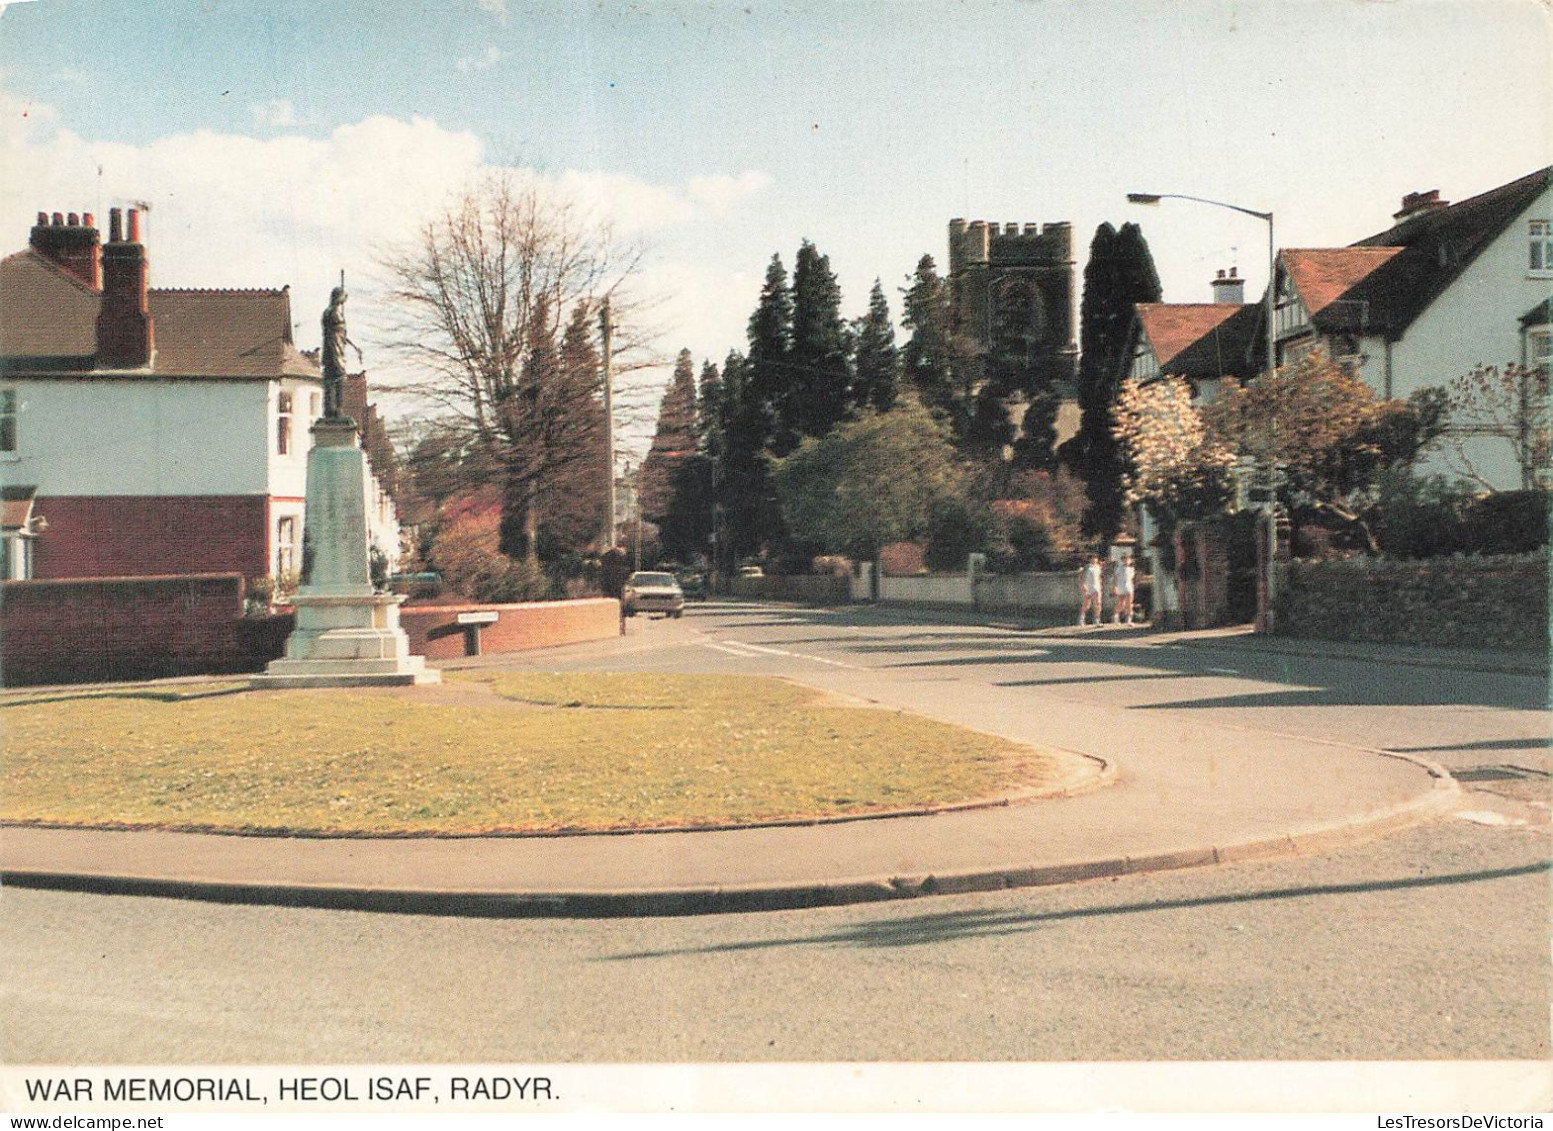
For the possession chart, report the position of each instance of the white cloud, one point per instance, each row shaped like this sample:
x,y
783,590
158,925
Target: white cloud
x,y
274,113
497,8
483,61
235,210
721,191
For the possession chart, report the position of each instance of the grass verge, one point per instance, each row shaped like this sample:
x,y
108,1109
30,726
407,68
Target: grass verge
x,y
504,752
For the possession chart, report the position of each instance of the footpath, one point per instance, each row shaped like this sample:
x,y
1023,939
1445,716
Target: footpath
x,y
1169,793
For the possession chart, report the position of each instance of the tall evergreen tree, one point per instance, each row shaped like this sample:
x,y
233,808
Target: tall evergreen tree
x,y
572,501
877,368
708,408
815,396
928,357
742,488
538,378
765,380
1120,273
674,441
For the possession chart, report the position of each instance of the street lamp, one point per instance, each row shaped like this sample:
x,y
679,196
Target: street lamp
x,y
1265,603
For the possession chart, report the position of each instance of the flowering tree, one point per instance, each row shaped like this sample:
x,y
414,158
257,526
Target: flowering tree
x,y
1512,404
1321,426
1175,465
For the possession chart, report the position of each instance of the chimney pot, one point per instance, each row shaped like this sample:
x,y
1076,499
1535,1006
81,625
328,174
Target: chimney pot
x,y
1229,288
74,220
115,225
134,225
43,219
88,220
59,219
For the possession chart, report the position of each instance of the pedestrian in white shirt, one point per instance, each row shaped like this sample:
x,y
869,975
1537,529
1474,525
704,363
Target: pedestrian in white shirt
x,y
1123,581
1092,581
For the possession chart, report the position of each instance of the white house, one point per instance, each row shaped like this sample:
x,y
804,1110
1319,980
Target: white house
x,y
1447,288
148,431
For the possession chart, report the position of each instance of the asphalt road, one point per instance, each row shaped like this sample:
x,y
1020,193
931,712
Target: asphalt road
x,y
1429,945
1432,944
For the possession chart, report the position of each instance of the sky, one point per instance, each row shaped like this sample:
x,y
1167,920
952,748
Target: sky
x,y
279,142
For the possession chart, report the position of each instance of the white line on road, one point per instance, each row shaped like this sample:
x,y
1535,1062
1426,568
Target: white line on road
x,y
748,651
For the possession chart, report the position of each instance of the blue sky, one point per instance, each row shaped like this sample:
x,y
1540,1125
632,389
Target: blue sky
x,y
278,142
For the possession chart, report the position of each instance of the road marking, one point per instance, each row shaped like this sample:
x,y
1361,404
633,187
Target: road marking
x,y
727,649
1489,817
748,651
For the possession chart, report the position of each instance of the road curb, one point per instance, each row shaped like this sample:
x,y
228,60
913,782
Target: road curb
x,y
712,899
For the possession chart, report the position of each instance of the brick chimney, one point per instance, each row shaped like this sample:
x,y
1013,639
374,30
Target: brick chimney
x,y
1229,288
1419,203
125,336
70,243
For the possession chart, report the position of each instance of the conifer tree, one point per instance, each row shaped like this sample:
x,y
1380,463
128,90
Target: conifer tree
x,y
814,397
573,500
708,407
1119,274
877,367
765,379
674,441
537,378
927,359
742,488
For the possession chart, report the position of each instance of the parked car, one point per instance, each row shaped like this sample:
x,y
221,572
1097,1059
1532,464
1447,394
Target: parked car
x,y
653,593
751,571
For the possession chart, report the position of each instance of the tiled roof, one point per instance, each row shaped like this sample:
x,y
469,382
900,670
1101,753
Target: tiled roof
x,y
1437,246
1337,285
225,334
1201,340
48,323
45,313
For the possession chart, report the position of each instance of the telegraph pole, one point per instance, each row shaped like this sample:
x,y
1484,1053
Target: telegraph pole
x,y
607,332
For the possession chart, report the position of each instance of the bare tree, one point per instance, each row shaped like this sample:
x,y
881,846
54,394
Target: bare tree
x,y
1511,404
482,299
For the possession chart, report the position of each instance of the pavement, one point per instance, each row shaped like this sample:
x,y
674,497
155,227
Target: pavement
x,y
1169,793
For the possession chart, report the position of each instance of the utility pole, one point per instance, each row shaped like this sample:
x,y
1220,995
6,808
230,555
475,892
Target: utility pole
x,y
607,332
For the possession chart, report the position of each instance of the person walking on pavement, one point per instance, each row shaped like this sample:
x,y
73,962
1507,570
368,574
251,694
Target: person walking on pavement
x,y
1092,580
1123,582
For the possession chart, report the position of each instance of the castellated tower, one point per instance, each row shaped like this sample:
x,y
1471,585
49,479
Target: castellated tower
x,y
1013,291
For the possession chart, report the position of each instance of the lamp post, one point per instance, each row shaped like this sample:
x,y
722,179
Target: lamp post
x,y
1268,579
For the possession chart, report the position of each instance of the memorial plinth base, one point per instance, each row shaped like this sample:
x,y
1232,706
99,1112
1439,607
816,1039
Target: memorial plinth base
x,y
347,640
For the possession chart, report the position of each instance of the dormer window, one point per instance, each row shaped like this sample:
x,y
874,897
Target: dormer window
x,y
1539,255
283,424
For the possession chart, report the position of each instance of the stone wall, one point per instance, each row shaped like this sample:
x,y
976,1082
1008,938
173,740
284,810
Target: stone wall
x,y
1462,602
121,628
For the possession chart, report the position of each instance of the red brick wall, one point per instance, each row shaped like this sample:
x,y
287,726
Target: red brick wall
x,y
434,631
120,628
140,535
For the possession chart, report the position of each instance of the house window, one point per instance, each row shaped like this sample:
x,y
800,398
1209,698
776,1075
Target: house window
x,y
283,425
1539,346
7,420
285,546
1540,251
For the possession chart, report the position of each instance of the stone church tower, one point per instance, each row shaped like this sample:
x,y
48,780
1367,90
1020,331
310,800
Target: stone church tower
x,y
1013,294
